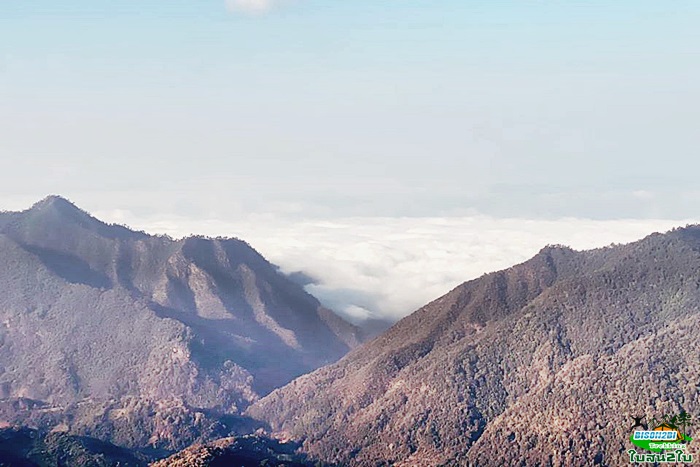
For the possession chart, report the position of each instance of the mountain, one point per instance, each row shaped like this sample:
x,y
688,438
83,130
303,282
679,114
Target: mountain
x,y
23,447
244,451
146,340
544,363
30,448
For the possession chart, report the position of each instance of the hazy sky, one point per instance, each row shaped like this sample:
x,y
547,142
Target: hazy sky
x,y
404,107
220,111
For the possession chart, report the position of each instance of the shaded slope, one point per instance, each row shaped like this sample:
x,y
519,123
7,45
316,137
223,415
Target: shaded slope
x,y
464,377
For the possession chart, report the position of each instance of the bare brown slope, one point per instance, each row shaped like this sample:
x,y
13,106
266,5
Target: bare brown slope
x,y
460,379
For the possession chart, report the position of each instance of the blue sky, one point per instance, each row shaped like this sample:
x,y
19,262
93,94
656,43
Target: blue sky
x,y
533,108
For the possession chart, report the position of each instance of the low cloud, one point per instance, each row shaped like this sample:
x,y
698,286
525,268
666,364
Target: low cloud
x,y
388,267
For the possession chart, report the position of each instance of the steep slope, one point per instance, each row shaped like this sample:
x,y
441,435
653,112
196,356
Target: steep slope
x,y
540,364
125,324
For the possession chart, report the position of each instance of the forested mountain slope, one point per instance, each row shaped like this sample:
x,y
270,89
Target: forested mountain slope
x,y
544,363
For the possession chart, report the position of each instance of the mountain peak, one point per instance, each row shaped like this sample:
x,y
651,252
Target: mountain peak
x,y
59,205
57,210
54,198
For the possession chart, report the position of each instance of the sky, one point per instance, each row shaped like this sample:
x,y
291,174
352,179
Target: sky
x,y
264,116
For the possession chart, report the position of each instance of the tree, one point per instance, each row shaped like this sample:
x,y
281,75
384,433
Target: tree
x,y
685,420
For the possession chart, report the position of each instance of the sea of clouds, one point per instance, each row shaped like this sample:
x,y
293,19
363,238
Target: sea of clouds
x,y
385,268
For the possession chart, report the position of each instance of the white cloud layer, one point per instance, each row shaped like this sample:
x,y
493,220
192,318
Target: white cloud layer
x,y
389,267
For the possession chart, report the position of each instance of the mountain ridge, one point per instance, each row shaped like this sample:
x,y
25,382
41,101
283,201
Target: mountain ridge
x,y
472,371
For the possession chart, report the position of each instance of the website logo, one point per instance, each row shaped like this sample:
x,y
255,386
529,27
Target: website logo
x,y
665,439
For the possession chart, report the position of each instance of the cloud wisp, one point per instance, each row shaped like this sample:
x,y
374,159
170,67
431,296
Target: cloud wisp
x,y
253,7
388,267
